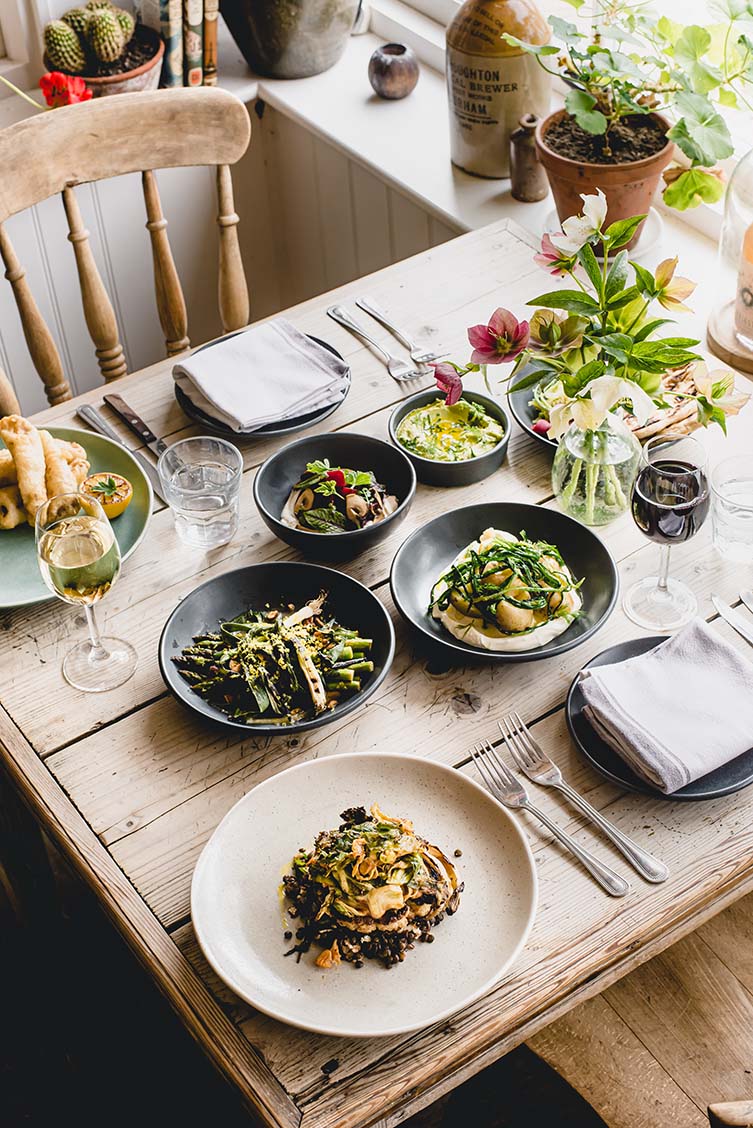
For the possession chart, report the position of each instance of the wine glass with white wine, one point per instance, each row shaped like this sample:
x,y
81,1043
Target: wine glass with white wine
x,y
79,558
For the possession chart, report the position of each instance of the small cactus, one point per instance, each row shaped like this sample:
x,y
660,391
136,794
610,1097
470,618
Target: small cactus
x,y
63,47
95,5
105,35
77,18
127,23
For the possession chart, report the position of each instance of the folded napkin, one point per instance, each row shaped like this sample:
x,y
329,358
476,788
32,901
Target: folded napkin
x,y
265,374
677,712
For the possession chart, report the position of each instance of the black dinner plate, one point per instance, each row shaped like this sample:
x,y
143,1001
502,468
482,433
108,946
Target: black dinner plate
x,y
272,430
738,773
525,415
232,593
426,554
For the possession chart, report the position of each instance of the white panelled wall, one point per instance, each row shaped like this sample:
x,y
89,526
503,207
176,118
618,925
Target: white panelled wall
x,y
311,219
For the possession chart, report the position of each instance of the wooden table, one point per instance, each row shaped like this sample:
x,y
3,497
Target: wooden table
x,y
131,786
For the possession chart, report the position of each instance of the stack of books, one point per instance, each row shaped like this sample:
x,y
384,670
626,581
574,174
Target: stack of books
x,y
189,29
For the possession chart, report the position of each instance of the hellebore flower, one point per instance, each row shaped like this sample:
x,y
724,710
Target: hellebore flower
x,y
499,341
552,334
550,258
589,409
449,381
718,388
579,229
672,291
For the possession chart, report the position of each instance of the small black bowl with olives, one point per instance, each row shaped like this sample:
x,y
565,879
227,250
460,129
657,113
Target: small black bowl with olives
x,y
333,496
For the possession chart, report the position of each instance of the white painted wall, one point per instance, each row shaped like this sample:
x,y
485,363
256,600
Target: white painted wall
x,y
310,220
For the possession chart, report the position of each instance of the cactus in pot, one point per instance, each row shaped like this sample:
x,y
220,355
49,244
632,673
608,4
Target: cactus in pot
x,y
104,35
77,18
64,48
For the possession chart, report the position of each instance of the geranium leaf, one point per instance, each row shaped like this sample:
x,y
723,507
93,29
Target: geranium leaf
x,y
701,132
580,105
693,187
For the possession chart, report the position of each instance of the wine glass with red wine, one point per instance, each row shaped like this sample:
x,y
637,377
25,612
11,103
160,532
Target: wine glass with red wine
x,y
670,502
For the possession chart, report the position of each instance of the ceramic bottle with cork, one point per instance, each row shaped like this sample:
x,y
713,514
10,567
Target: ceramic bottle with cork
x,y
492,84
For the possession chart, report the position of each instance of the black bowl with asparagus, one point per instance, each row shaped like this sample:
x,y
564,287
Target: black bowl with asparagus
x,y
275,647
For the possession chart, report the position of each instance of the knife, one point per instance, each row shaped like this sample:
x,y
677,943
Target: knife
x,y
97,422
734,618
135,423
747,598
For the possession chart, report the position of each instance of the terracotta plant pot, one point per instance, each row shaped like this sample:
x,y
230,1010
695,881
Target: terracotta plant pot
x,y
629,187
145,77
290,38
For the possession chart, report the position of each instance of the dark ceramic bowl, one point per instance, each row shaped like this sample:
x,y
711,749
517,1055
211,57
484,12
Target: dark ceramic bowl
x,y
234,592
526,415
277,476
435,473
424,556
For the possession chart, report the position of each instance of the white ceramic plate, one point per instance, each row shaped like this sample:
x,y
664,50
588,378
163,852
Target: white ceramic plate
x,y
238,915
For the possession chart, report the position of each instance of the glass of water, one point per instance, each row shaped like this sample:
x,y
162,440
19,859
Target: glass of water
x,y
732,508
201,481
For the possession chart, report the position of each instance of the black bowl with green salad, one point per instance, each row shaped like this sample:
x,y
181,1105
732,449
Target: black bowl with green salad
x,y
451,445
277,647
333,496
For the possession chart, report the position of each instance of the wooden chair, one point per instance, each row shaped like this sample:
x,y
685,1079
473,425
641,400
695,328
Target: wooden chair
x,y
53,152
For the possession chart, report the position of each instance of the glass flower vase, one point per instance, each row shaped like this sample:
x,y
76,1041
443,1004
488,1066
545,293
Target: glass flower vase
x,y
593,471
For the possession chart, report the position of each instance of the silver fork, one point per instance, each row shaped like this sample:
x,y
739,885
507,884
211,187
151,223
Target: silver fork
x,y
534,762
398,369
511,793
416,354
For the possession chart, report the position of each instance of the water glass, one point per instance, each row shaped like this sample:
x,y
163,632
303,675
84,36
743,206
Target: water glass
x,y
201,481
732,508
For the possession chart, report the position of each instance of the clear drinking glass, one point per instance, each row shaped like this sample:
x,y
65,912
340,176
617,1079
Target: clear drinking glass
x,y
201,481
732,508
79,558
670,502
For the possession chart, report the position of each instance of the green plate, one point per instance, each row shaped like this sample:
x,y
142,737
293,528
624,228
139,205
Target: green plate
x,y
20,581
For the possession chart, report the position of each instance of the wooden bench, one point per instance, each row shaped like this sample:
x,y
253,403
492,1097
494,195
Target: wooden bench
x,y
672,1039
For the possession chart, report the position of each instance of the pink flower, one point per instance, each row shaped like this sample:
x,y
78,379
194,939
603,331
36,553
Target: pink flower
x,y
499,341
552,259
449,381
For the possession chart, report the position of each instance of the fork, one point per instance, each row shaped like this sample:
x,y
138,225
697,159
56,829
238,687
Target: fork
x,y
509,790
534,762
416,355
398,369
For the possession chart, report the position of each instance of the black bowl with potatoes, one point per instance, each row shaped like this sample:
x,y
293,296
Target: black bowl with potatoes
x,y
277,478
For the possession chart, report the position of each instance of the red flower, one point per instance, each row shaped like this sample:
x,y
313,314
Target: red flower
x,y
338,477
63,89
449,380
499,341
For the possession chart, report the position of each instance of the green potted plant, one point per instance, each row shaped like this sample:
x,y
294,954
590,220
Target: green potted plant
x,y
601,377
290,38
106,47
638,87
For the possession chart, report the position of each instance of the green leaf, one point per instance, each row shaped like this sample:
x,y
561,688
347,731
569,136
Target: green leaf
x,y
668,29
577,4
617,276
530,378
689,51
645,280
622,231
624,298
580,105
693,187
564,30
574,301
701,132
531,48
728,98
574,382
618,345
587,259
651,327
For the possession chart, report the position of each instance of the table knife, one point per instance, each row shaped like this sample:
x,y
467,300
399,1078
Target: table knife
x,y
135,423
97,422
747,598
734,618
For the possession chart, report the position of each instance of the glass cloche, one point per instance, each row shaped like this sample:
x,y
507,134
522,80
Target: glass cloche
x,y
730,328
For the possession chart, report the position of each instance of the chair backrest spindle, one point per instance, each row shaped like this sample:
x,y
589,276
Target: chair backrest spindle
x,y
42,349
9,404
171,305
233,292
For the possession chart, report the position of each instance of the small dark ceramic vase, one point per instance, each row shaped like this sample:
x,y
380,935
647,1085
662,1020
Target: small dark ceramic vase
x,y
393,71
528,180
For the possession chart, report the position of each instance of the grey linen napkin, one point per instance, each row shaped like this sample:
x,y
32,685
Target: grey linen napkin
x,y
679,711
265,374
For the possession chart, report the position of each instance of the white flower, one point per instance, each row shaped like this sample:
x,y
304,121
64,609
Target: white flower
x,y
719,388
589,410
578,229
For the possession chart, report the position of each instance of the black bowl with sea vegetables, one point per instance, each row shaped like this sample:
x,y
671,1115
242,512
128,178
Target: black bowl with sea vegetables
x,y
275,648
451,446
332,496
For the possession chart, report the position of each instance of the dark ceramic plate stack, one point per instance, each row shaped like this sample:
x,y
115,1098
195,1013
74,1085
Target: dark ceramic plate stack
x,y
232,593
426,554
279,474
272,430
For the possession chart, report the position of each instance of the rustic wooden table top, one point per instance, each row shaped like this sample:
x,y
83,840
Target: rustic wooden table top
x,y
131,786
